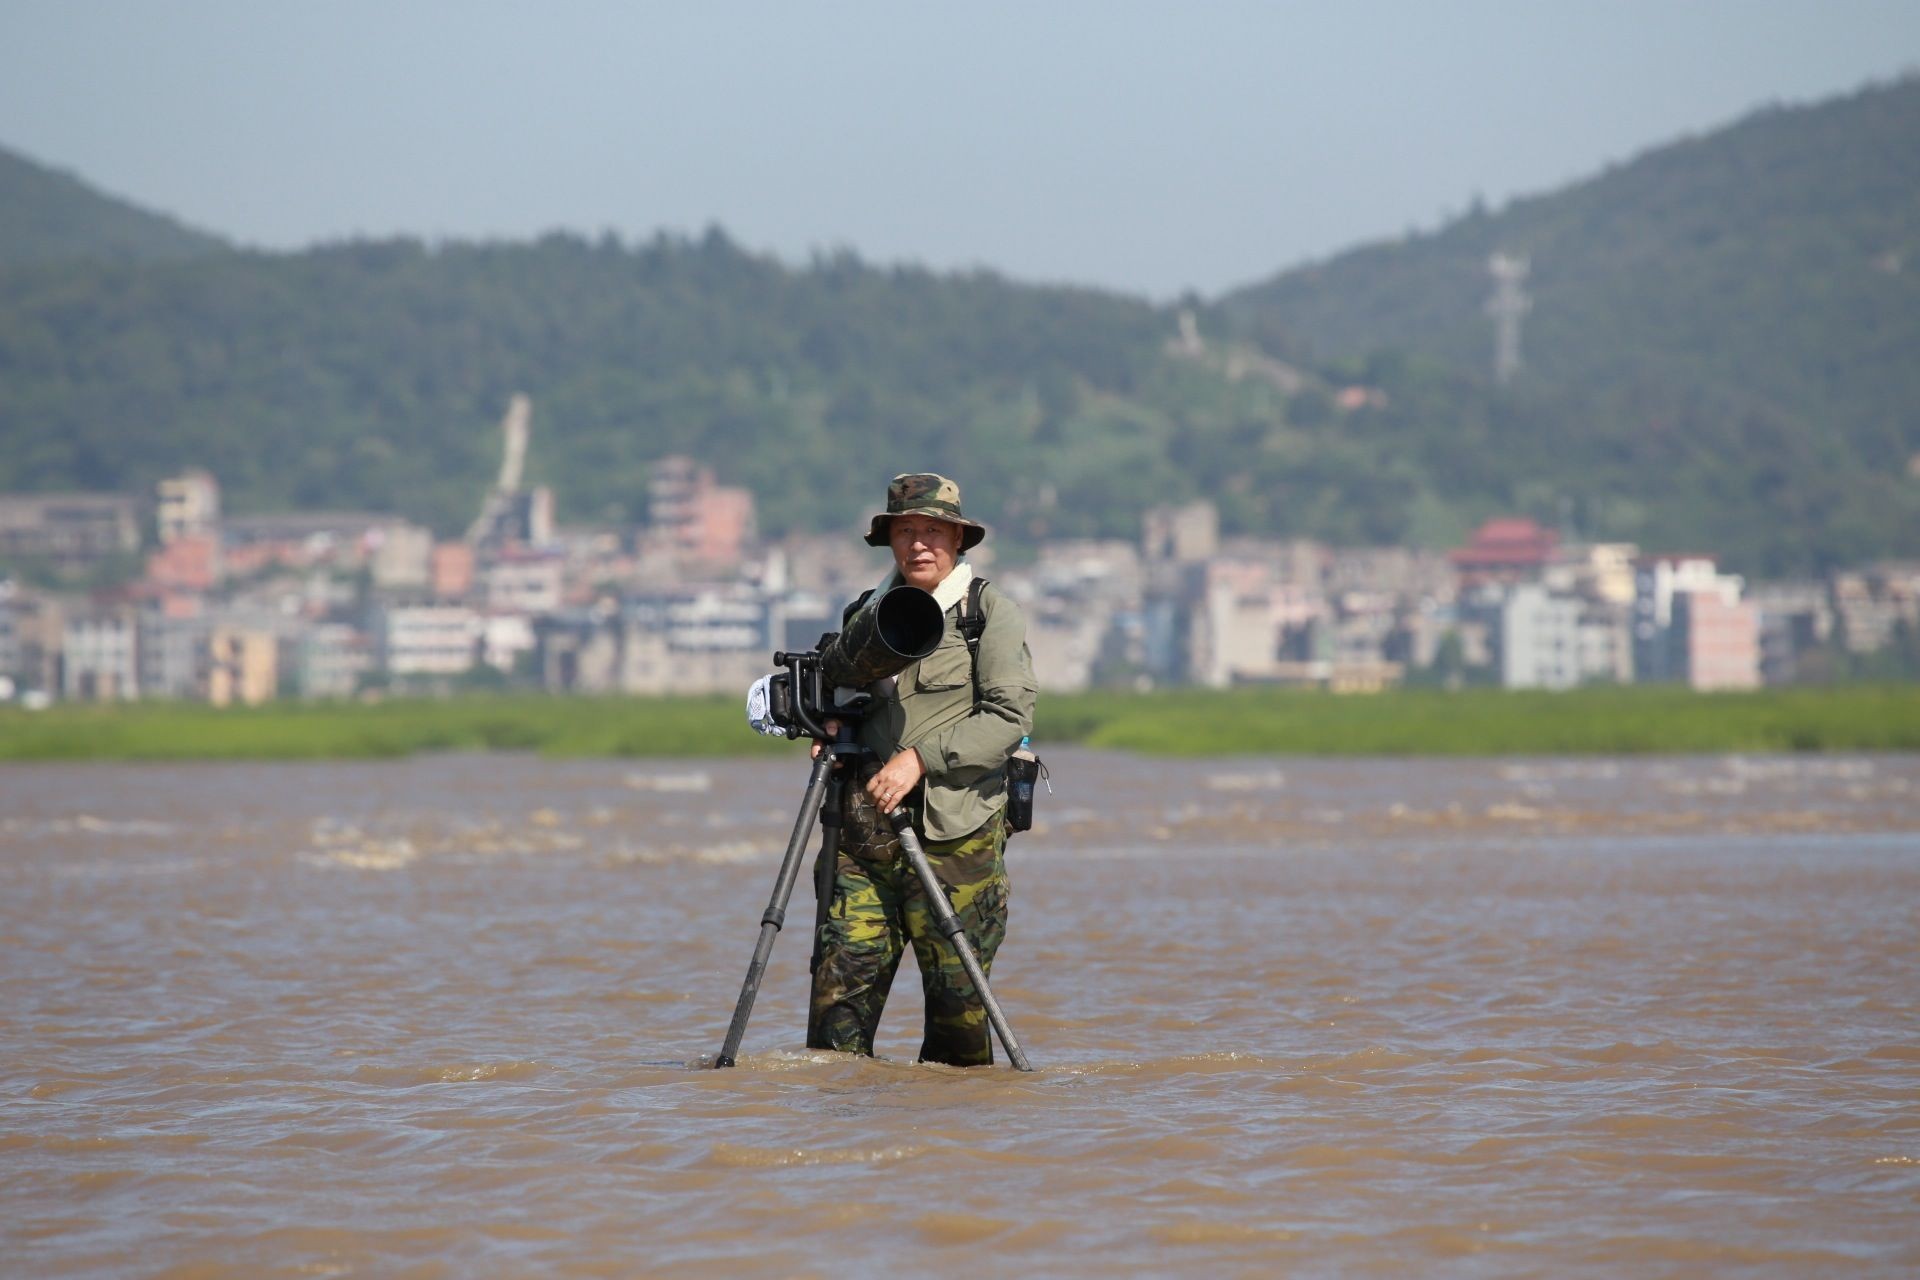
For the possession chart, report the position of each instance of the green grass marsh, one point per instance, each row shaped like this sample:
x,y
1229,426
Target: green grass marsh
x,y
1255,721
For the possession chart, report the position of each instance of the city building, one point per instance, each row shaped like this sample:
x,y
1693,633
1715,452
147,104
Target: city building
x,y
1599,571
693,520
171,652
426,641
10,657
1234,633
1606,643
1795,622
1510,550
188,506
1388,573
506,639
451,571
98,654
402,557
693,640
1657,581
333,659
31,629
525,582
1539,639
339,540
1181,534
242,666
71,531
188,561
1870,604
1071,597
1552,641
1716,640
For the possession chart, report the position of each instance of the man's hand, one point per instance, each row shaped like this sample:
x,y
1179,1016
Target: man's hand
x,y
833,731
895,779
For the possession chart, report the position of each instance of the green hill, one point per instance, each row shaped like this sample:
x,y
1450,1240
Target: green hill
x,y
1723,347
47,215
372,374
1720,355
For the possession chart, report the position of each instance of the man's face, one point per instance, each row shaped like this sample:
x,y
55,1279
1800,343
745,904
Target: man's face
x,y
925,548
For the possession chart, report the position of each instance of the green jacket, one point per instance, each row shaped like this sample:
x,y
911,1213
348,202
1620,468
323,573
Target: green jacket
x,y
964,744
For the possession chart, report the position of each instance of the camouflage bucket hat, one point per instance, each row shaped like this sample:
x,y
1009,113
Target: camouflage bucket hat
x,y
921,493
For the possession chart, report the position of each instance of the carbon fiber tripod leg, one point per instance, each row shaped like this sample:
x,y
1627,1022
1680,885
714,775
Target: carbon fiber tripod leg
x,y
776,912
949,924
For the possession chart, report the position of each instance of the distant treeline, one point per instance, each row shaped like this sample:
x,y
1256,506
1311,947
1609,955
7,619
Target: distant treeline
x,y
1609,721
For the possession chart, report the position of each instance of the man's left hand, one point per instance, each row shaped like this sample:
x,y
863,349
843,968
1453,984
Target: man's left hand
x,y
896,778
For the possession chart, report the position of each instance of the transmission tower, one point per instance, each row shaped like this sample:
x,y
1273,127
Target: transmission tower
x,y
1508,306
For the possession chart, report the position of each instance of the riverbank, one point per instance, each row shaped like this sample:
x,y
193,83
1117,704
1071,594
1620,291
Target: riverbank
x,y
1477,722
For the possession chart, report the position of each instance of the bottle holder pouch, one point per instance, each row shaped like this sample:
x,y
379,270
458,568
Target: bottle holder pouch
x,y
1024,772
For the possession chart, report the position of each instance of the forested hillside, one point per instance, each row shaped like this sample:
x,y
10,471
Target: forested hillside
x,y
49,215
372,374
1721,355
1724,342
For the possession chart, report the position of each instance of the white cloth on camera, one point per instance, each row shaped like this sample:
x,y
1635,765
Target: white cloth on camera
x,y
760,708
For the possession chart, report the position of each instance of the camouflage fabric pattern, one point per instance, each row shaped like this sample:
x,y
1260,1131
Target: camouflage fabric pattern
x,y
922,493
865,834
878,909
863,652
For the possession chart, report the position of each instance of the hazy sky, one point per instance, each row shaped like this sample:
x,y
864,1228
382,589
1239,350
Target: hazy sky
x,y
1146,147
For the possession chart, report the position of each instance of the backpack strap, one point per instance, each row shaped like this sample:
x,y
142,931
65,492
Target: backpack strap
x,y
971,624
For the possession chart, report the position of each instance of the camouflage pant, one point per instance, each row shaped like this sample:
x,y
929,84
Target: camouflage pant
x,y
878,907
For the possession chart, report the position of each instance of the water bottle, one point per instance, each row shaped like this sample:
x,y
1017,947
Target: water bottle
x,y
1023,770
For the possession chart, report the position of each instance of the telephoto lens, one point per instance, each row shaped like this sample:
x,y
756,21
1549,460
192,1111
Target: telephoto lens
x,y
891,633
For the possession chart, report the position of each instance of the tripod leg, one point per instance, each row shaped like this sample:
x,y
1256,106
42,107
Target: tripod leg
x,y
776,912
825,865
949,924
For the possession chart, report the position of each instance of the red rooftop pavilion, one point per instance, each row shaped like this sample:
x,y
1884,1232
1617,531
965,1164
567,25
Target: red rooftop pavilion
x,y
1509,549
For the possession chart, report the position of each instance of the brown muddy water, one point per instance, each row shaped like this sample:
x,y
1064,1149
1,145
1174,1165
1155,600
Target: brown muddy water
x,y
449,1017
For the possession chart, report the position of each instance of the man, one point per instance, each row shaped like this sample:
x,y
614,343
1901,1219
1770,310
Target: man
x,y
940,734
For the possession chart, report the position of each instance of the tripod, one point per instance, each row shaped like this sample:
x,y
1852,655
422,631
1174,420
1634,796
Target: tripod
x,y
825,789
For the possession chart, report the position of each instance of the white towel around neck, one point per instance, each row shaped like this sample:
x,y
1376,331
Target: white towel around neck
x,y
946,595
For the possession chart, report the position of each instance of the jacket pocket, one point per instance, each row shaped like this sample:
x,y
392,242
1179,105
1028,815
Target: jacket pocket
x,y
945,668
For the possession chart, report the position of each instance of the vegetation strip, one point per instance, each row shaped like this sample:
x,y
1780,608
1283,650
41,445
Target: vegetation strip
x,y
1477,722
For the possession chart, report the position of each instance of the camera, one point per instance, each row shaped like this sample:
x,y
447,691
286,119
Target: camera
x,y
887,633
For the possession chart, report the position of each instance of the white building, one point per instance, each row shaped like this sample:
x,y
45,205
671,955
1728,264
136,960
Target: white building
x,y
1550,641
504,639
523,584
99,653
427,640
1539,639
